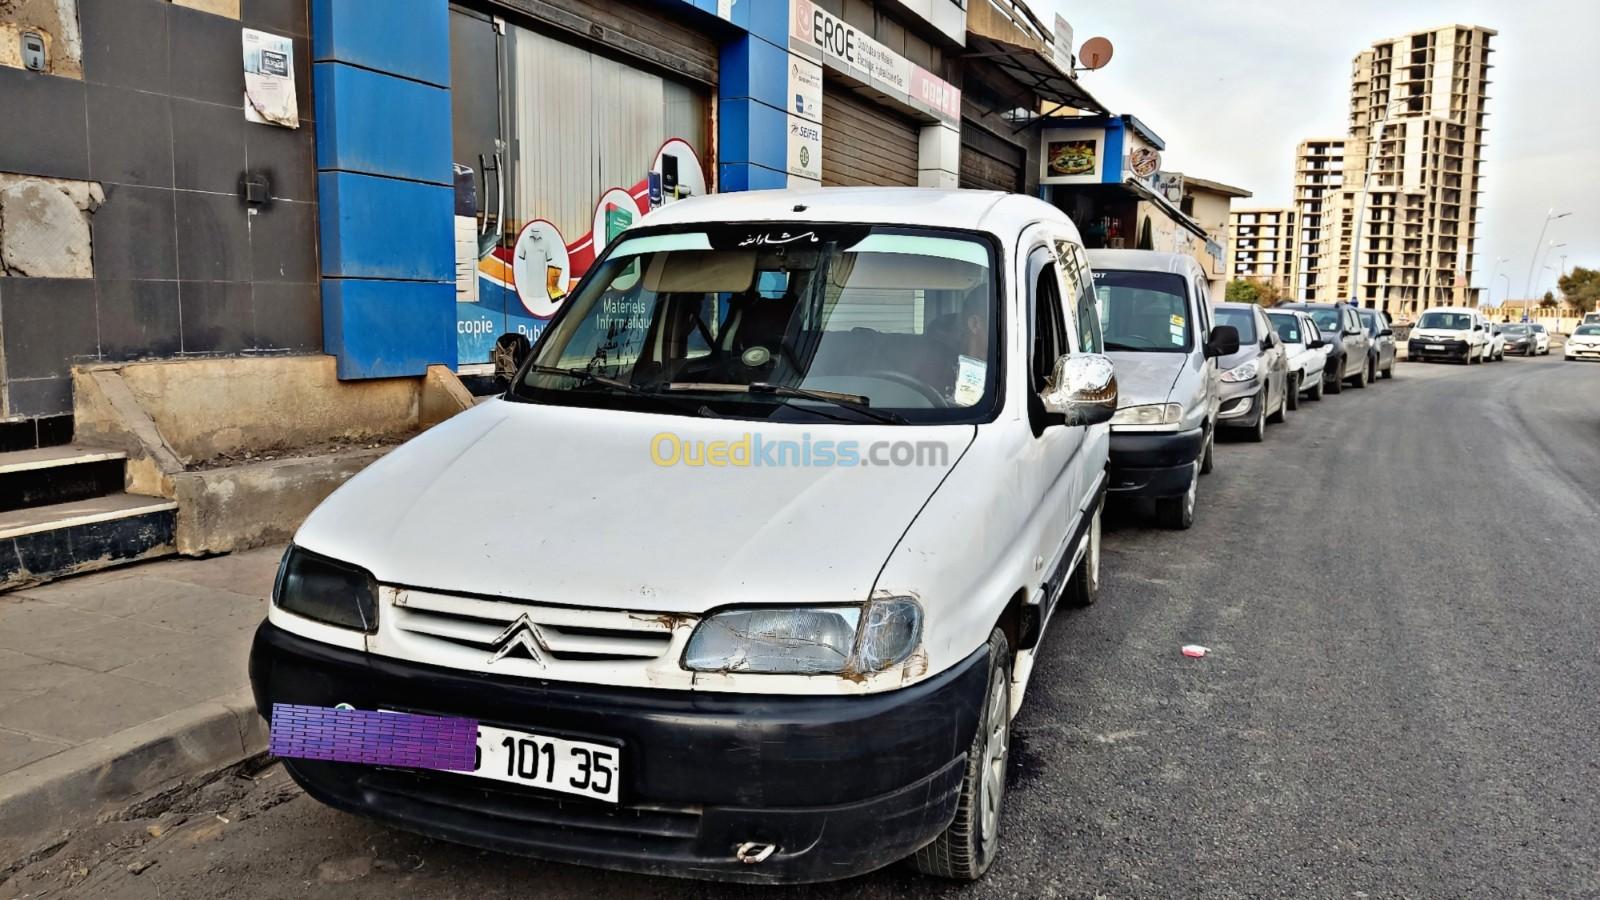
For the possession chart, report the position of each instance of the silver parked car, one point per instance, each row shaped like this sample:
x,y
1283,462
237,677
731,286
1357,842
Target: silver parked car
x,y
1155,318
1380,354
1255,380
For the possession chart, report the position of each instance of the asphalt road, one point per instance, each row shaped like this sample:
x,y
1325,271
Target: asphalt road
x,y
1401,596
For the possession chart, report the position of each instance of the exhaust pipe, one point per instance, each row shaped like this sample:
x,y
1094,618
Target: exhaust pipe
x,y
752,852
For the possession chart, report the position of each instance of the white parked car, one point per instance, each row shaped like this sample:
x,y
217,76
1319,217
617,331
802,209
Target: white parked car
x,y
745,575
1495,342
1306,350
1542,336
1450,333
1584,343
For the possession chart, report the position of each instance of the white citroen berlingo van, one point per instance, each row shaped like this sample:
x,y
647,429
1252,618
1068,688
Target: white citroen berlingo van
x,y
745,575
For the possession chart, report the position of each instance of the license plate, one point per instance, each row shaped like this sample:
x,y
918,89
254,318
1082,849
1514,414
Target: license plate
x,y
1434,347
550,763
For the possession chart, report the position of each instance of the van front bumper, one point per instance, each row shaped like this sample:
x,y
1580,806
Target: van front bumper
x,y
1154,464
840,785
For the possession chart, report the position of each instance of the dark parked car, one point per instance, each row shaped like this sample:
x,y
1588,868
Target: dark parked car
x,y
1520,339
1348,344
1380,356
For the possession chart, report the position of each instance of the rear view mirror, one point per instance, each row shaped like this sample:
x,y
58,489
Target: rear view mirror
x,y
1387,332
1268,342
1317,344
1082,390
1224,341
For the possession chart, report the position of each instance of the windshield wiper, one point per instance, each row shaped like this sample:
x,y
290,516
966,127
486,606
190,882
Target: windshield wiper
x,y
584,375
1113,345
853,402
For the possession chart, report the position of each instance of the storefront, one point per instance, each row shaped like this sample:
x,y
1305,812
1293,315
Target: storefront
x,y
559,144
1105,173
864,143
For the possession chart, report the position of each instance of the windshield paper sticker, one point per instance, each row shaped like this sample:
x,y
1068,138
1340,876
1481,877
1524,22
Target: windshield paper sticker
x,y
969,381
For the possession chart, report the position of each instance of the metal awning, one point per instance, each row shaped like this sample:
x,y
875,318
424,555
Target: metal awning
x,y
1033,71
1148,193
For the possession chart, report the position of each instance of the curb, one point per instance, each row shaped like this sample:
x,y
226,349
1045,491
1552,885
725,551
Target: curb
x,y
40,801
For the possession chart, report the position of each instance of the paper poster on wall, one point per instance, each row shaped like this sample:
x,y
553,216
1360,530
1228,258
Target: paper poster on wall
x,y
269,97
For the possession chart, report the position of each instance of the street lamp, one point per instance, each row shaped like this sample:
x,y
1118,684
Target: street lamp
x,y
1497,264
1533,264
1507,298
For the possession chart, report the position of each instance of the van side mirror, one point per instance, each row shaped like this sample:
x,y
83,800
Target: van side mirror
x,y
1268,342
1082,390
1224,341
1387,332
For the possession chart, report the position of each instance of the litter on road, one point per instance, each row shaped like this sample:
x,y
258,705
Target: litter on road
x,y
1194,650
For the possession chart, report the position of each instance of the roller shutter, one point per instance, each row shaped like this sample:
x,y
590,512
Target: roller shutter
x,y
865,144
989,163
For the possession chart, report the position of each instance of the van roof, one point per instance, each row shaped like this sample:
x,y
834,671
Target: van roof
x,y
995,212
1143,261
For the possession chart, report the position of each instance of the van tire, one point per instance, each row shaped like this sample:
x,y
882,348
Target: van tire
x,y
1084,587
963,852
1177,513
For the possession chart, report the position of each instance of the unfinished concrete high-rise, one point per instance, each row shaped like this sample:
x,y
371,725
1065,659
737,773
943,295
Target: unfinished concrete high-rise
x,y
1417,108
1261,246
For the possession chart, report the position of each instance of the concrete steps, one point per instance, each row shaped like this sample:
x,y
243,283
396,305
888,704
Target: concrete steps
x,y
63,511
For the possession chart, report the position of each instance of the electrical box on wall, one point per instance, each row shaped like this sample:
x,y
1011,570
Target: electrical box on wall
x,y
34,57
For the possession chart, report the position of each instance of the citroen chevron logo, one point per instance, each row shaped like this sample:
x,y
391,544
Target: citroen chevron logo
x,y
522,632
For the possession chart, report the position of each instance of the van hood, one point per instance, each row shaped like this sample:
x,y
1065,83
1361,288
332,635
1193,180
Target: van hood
x,y
1146,377
565,505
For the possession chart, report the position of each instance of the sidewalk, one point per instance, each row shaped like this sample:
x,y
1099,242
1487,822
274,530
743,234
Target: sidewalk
x,y
115,683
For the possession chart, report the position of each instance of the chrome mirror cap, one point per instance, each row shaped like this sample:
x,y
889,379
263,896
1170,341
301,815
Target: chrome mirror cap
x,y
1082,389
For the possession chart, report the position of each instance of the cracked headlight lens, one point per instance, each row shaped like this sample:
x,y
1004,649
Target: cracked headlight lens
x,y
807,640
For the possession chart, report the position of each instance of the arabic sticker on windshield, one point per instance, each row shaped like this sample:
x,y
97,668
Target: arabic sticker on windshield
x,y
969,381
1177,321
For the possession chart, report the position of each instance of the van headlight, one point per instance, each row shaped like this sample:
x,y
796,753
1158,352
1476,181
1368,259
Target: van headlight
x,y
807,641
326,590
1148,414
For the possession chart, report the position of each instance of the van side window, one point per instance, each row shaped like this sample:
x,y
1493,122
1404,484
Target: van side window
x,y
1048,331
1081,297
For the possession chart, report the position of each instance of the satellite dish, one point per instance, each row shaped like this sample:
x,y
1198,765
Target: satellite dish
x,y
1096,53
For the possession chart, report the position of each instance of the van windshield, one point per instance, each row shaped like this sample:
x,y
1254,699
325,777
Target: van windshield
x,y
733,320
1445,321
1143,311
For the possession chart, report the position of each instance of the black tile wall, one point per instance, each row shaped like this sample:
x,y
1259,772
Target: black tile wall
x,y
213,239
125,43
49,325
41,396
180,265
216,316
45,132
209,146
278,245
138,319
134,234
130,137
206,54
288,156
289,315
279,16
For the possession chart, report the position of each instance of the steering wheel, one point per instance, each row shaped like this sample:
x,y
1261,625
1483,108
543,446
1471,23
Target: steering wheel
x,y
907,381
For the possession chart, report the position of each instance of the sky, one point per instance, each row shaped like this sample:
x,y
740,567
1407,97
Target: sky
x,y
1233,85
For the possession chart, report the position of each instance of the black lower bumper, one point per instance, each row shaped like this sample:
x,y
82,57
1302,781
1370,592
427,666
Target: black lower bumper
x,y
1452,350
841,785
1145,464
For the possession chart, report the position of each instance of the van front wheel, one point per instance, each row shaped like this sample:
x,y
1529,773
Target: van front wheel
x,y
965,849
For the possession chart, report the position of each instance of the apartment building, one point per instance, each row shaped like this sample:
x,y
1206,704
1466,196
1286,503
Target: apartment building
x,y
1261,245
1319,177
1405,182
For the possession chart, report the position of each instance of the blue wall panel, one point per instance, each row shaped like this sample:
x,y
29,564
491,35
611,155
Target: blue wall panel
x,y
751,131
748,177
753,68
384,228
380,125
385,329
409,38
